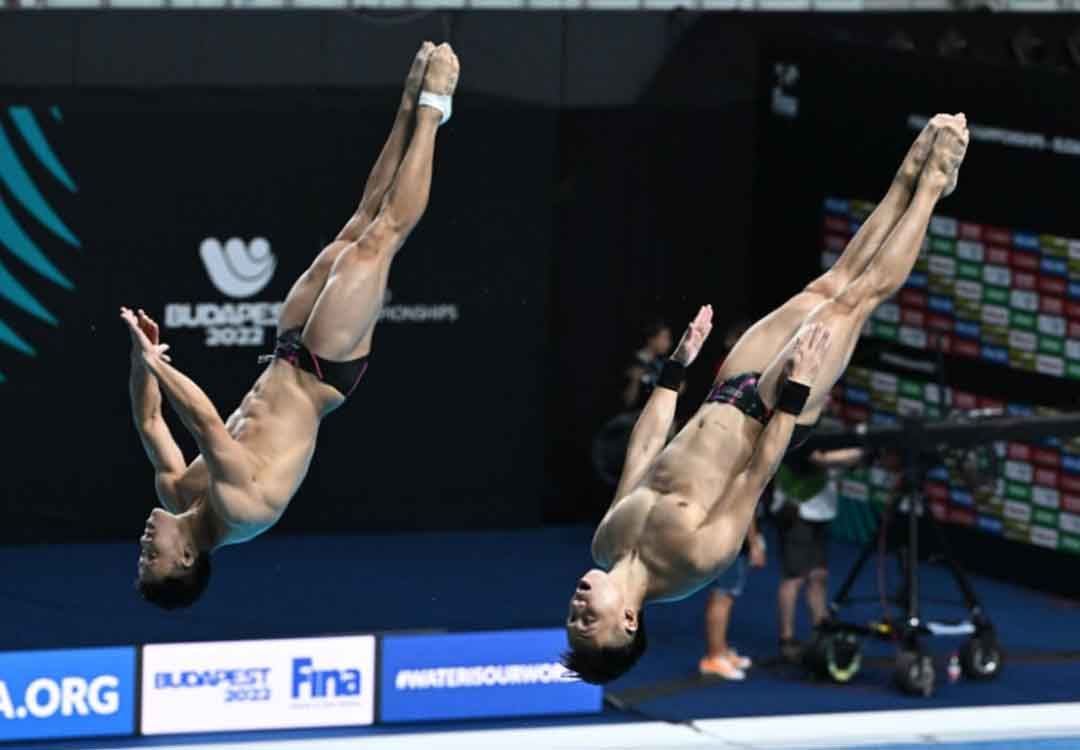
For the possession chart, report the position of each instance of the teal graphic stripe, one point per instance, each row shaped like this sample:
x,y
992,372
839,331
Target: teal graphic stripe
x,y
19,243
16,293
35,139
15,341
16,179
15,237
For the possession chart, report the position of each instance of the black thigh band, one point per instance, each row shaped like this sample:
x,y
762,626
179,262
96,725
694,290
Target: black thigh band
x,y
672,375
793,397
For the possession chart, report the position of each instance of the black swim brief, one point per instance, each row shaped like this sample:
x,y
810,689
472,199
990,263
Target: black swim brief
x,y
344,376
741,392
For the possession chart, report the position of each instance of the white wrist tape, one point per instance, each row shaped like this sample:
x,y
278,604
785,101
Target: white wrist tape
x,y
441,102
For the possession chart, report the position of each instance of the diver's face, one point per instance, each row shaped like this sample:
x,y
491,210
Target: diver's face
x,y
163,547
597,617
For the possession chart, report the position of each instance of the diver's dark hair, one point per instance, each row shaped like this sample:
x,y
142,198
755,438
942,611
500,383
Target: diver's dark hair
x,y
602,665
178,591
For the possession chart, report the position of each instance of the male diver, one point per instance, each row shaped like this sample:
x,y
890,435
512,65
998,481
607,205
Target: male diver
x,y
250,465
682,509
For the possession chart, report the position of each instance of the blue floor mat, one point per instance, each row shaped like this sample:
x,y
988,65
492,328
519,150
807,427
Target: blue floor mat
x,y
281,586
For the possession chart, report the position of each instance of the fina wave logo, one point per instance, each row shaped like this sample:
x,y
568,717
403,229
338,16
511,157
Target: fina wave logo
x,y
20,188
238,269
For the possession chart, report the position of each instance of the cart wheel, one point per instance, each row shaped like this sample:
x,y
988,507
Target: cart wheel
x,y
835,656
915,673
981,658
843,652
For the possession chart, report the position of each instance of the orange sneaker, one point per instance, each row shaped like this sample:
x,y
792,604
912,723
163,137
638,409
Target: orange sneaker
x,y
740,661
721,667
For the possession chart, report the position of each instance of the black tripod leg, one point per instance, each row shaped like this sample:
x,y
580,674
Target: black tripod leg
x,y
914,471
841,597
914,505
971,600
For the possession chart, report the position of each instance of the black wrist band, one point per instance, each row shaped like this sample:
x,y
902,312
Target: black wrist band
x,y
793,398
672,375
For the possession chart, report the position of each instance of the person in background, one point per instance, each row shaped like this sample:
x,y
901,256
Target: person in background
x,y
804,504
641,376
721,659
636,384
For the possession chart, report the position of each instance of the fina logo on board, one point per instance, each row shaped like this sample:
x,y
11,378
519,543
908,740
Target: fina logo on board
x,y
271,684
311,682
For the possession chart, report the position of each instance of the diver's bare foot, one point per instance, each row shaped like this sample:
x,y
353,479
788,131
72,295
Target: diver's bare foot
x,y
943,166
441,76
416,75
915,160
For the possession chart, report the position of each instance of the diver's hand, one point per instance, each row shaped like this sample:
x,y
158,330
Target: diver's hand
x,y
145,337
691,342
810,349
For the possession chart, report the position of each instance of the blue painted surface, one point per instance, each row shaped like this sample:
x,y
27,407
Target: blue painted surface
x,y
67,693
281,586
479,675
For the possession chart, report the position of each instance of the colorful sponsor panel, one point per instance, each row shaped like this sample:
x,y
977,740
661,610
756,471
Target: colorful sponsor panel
x,y
472,675
1035,498
67,693
266,684
1006,295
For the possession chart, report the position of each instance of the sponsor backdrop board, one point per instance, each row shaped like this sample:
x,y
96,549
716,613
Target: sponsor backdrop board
x,y
473,675
67,693
204,208
1005,297
997,294
1035,497
247,685
992,306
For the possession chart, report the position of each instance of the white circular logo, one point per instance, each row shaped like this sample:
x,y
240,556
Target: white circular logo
x,y
239,269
